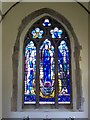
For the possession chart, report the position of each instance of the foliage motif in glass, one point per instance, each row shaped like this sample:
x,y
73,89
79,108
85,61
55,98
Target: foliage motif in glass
x,y
63,73
37,33
30,74
56,33
46,23
47,73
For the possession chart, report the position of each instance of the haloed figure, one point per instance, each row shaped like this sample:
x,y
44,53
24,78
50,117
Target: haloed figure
x,y
47,66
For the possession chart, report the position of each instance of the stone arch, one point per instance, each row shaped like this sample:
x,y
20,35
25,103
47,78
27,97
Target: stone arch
x,y
15,56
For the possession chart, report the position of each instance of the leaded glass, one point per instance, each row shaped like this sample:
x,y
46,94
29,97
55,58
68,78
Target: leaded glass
x,y
30,74
46,23
56,33
64,73
47,73
52,80
37,33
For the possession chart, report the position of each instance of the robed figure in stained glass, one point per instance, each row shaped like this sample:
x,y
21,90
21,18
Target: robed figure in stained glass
x,y
64,72
47,71
30,71
47,66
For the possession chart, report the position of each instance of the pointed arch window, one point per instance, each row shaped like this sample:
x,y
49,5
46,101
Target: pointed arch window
x,y
47,64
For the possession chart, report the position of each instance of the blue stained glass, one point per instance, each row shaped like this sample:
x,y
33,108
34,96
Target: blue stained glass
x,y
63,73
30,74
56,33
47,73
37,33
46,23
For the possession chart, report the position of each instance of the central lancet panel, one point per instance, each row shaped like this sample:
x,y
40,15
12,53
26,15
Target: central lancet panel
x,y
47,73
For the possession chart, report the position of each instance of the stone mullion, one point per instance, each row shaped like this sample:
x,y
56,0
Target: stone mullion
x,y
56,77
37,77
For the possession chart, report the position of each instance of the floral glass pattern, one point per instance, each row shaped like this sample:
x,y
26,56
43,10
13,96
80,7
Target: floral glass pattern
x,y
56,33
47,73
30,74
37,33
46,23
63,73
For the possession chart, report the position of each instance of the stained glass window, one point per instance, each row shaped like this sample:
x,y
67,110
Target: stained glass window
x,y
47,76
63,73
30,74
47,73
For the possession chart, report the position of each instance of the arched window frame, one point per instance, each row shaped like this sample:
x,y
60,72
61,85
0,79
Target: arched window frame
x,y
17,56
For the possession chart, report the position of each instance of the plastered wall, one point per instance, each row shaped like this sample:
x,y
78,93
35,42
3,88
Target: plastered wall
x,y
78,18
0,66
89,64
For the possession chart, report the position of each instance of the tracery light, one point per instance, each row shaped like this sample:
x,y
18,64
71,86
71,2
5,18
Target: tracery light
x,y
37,33
46,22
56,33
